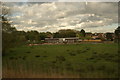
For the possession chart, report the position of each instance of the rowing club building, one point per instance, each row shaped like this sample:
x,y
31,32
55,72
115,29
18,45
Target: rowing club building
x,y
62,40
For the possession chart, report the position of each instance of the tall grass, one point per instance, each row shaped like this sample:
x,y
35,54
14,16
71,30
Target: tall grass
x,y
62,61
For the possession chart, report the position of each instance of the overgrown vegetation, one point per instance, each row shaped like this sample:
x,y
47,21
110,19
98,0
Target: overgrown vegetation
x,y
72,60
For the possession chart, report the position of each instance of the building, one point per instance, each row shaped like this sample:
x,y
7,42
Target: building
x,y
98,36
71,40
88,34
95,37
52,40
62,40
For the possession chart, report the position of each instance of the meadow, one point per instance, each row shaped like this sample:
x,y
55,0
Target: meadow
x,y
62,61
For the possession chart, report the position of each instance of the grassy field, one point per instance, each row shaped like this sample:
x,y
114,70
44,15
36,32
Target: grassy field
x,y
62,61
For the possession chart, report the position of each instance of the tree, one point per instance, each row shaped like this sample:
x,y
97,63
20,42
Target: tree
x,y
7,37
64,33
33,36
10,36
49,35
6,26
42,35
20,38
117,34
109,36
56,35
5,10
82,33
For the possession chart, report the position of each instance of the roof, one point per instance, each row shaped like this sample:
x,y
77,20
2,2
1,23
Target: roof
x,y
63,38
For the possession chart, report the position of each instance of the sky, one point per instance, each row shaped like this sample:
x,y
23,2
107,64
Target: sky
x,y
53,16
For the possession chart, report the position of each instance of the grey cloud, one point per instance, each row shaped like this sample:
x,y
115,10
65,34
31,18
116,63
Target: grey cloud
x,y
54,16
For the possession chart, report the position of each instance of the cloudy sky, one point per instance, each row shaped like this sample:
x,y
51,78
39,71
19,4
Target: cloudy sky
x,y
53,16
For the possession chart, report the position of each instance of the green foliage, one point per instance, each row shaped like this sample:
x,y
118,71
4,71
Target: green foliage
x,y
43,36
109,36
10,36
6,26
82,33
64,33
117,31
117,35
33,36
85,60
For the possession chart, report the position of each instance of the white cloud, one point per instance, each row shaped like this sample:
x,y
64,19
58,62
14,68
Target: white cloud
x,y
55,16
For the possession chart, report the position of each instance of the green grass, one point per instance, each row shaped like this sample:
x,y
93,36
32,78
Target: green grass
x,y
71,60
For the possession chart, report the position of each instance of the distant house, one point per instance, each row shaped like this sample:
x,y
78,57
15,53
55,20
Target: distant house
x,y
90,37
71,40
52,40
88,34
62,40
98,36
95,36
